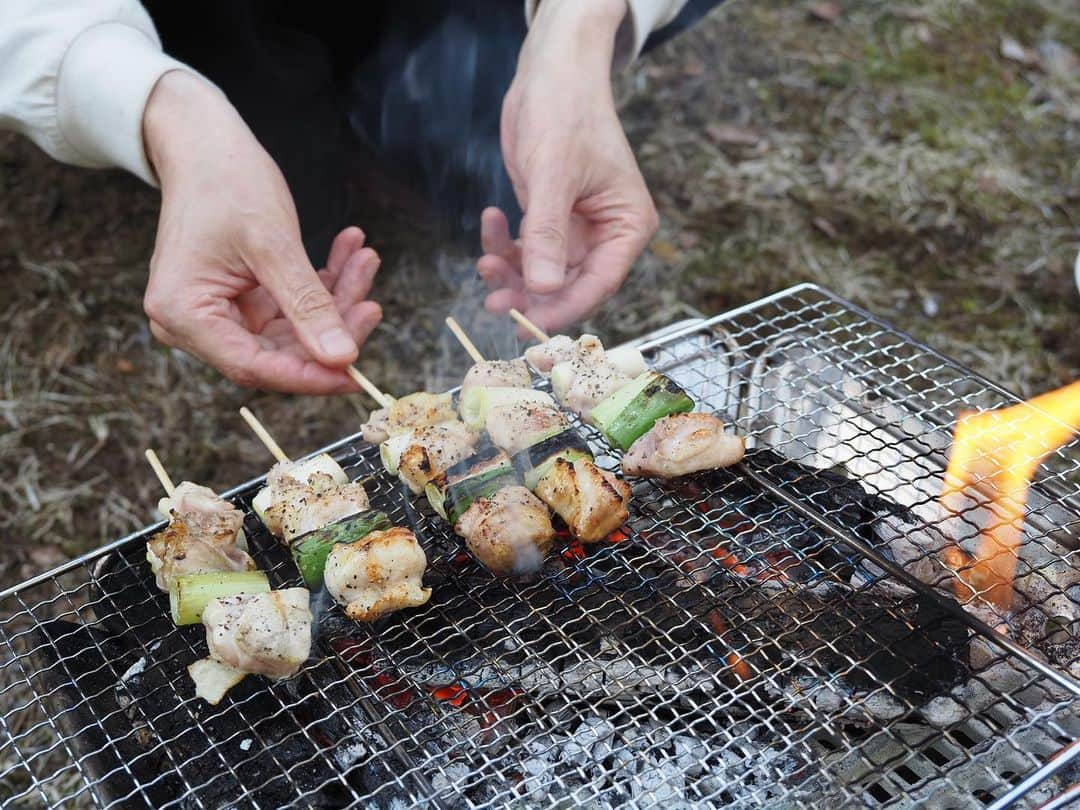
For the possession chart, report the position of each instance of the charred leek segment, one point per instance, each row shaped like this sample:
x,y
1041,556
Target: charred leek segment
x,y
476,402
191,593
451,501
534,462
311,550
628,414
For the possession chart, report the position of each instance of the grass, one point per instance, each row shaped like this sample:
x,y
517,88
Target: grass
x,y
893,155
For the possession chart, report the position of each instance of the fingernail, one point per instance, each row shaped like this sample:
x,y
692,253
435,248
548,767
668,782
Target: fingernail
x,y
545,277
337,343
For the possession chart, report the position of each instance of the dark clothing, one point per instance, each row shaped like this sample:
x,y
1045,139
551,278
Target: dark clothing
x,y
418,83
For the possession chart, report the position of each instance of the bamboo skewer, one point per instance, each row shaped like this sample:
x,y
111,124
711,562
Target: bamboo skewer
x,y
536,331
384,400
264,435
161,473
463,339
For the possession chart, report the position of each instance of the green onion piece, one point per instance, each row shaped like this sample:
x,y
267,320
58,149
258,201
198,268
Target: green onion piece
x,y
629,413
191,593
311,550
452,501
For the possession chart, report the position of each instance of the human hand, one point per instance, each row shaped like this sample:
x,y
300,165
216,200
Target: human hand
x,y
230,281
588,214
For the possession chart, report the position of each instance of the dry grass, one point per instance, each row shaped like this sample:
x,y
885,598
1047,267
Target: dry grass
x,y
893,155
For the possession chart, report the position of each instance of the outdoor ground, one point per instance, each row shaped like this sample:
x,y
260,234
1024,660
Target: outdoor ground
x,y
919,158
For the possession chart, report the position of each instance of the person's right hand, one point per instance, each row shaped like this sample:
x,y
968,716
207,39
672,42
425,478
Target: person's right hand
x,y
230,281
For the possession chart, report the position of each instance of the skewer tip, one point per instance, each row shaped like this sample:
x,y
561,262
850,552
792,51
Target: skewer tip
x,y
536,331
384,400
463,339
160,471
263,434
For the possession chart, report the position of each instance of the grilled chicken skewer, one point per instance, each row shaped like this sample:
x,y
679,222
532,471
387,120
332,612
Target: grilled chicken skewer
x,y
205,533
554,461
642,412
369,567
260,634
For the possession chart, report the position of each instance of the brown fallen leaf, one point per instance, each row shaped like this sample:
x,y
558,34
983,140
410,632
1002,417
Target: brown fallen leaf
x,y
825,11
688,240
124,366
732,135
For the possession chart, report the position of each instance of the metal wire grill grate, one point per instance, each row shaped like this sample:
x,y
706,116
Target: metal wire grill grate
x,y
721,650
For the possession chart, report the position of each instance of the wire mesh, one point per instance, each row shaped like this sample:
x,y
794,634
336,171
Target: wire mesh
x,y
719,650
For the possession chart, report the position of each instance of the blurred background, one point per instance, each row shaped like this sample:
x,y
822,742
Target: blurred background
x,y
920,158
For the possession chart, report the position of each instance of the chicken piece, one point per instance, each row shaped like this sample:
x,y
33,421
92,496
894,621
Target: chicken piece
x,y
558,349
197,543
593,502
283,481
515,427
300,508
414,411
377,574
432,450
497,374
261,634
510,532
189,497
581,383
681,444
625,360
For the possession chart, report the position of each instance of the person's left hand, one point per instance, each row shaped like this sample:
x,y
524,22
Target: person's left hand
x,y
588,214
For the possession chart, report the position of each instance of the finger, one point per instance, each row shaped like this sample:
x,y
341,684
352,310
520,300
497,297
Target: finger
x,y
356,278
345,244
545,232
495,236
603,272
497,273
305,302
362,319
502,301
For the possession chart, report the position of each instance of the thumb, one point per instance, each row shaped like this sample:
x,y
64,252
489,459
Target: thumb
x,y
309,307
545,233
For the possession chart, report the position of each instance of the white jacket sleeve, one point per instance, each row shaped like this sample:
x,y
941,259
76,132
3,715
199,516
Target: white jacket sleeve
x,y
644,17
75,76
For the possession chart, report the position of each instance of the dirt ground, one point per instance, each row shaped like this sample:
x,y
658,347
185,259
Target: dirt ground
x,y
917,157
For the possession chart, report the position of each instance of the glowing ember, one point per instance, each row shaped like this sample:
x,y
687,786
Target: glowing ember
x,y
997,453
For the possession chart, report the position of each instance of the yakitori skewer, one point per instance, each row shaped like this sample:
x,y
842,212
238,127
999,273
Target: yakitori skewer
x,y
640,411
202,553
368,565
553,459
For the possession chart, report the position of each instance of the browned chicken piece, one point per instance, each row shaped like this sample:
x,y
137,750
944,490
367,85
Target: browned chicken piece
x,y
432,450
300,508
377,574
189,497
413,411
593,502
510,532
557,349
582,382
523,424
197,543
497,374
625,360
681,444
261,634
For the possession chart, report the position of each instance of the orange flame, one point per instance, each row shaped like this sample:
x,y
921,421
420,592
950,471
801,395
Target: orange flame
x,y
998,452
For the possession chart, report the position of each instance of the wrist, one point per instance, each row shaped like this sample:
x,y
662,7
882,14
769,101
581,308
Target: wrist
x,y
598,16
183,115
573,34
